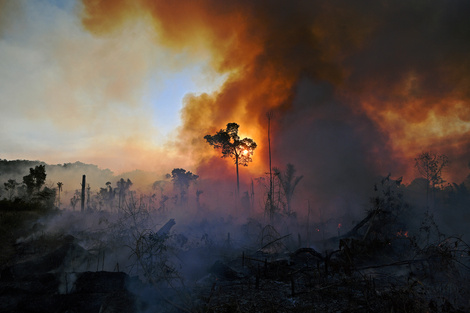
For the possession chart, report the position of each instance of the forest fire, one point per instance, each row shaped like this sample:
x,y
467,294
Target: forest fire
x,y
315,158
265,72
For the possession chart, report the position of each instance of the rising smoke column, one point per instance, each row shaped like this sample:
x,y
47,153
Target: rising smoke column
x,y
358,88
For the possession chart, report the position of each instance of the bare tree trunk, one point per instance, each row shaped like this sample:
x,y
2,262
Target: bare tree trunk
x,y
83,192
308,223
238,179
271,187
252,198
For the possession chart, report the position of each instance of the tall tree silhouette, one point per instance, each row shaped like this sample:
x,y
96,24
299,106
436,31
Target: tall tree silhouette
x,y
35,179
181,180
240,150
270,202
122,187
107,195
59,188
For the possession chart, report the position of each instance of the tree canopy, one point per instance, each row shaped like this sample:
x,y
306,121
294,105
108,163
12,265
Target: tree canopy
x,y
181,180
240,150
229,142
35,179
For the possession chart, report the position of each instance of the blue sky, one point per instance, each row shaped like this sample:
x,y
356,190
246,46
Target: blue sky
x,y
167,96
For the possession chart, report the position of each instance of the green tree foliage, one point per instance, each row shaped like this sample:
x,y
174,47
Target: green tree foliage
x,y
228,141
181,180
35,180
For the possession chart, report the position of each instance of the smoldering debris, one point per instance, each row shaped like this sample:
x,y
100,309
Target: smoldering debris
x,y
372,268
363,275
136,258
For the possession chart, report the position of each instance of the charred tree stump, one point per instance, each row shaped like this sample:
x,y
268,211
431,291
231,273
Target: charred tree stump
x,y
83,193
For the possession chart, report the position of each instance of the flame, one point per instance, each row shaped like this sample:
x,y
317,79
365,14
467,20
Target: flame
x,y
402,234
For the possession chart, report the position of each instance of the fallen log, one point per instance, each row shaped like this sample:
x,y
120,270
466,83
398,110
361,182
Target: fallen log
x,y
165,229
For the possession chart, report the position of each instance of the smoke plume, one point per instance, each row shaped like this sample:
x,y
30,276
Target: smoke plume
x,y
358,89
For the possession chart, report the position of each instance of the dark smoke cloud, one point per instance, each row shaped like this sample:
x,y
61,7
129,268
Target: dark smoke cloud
x,y
335,149
359,88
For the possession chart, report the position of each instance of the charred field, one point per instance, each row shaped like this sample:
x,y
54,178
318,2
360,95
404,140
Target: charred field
x,y
134,257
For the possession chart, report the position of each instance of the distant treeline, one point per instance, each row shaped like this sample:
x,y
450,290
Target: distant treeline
x,y
21,167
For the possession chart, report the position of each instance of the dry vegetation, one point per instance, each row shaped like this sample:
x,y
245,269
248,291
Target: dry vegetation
x,y
136,258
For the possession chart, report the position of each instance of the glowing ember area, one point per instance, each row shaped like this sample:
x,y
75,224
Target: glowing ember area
x,y
402,233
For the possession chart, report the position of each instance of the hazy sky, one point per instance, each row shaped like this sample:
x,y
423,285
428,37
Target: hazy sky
x,y
358,88
67,95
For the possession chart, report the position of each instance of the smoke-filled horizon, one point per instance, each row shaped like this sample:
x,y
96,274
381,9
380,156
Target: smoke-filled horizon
x,y
357,89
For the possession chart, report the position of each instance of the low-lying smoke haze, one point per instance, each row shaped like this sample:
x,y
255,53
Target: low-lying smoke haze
x,y
357,89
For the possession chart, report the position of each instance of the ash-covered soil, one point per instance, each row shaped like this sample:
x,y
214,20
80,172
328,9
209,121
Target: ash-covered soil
x,y
38,280
120,264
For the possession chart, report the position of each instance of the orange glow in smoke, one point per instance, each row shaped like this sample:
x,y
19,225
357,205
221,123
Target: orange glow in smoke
x,y
267,49
402,234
